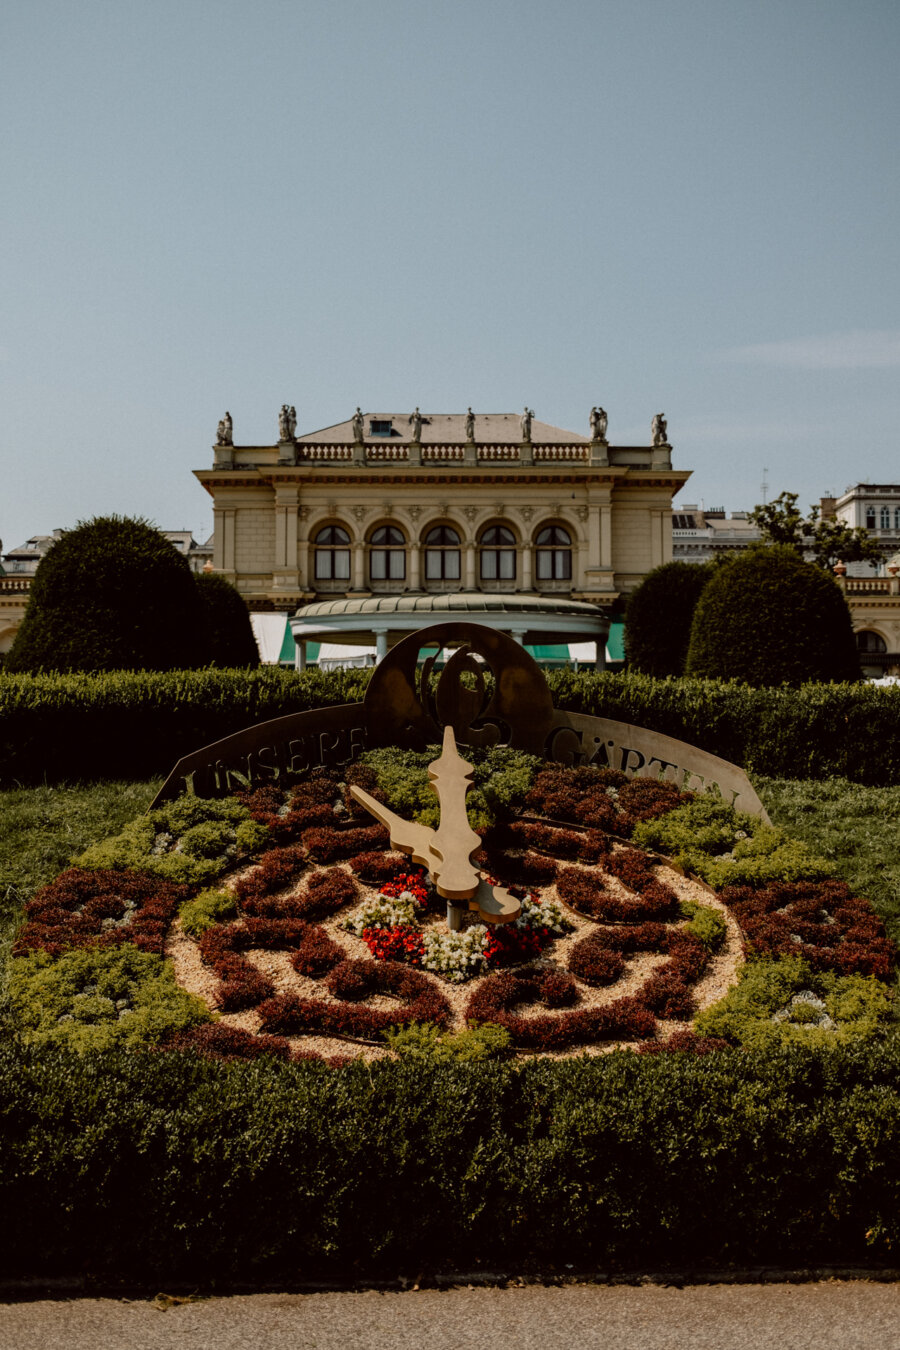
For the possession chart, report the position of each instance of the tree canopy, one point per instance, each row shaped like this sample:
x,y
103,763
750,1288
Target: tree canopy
x,y
827,541
658,617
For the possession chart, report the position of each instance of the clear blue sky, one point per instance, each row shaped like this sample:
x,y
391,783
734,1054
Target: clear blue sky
x,y
687,206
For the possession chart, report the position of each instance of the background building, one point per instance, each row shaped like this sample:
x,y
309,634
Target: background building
x,y
389,522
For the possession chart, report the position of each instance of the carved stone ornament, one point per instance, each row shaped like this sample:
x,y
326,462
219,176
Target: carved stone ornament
x,y
470,512
303,512
583,512
414,512
526,512
359,511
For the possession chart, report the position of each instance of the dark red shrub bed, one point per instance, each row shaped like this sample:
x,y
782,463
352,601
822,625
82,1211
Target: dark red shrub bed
x,y
242,985
327,892
512,869
217,1041
625,1019
598,959
316,954
309,805
101,908
588,895
581,796
822,921
376,868
647,798
594,963
328,845
422,1002
509,945
364,776
588,846
278,869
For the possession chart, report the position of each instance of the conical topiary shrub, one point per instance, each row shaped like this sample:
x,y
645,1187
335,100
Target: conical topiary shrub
x,y
769,618
112,594
658,617
229,630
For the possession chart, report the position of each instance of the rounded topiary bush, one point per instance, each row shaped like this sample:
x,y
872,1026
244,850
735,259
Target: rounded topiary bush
x,y
112,594
769,618
229,630
658,617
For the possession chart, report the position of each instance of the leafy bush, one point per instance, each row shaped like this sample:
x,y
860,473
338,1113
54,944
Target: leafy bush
x,y
94,999
728,848
134,596
501,779
423,1040
206,909
768,617
191,839
228,630
706,924
785,1001
103,908
658,616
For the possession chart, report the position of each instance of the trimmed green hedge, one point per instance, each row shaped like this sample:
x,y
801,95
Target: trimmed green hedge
x,y
153,1168
128,725
817,731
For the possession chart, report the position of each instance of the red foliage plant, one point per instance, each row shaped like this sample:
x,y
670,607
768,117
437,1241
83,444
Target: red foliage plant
x,y
420,1001
821,921
328,845
377,868
581,795
214,1040
101,908
684,1042
309,804
588,895
316,954
587,846
598,959
494,1001
278,869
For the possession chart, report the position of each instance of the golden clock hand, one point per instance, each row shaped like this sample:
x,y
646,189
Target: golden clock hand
x,y
407,835
454,840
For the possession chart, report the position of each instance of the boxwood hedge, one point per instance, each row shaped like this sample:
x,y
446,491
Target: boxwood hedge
x,y
158,1167
131,724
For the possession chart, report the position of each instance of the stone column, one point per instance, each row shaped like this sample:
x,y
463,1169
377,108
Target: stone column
x,y
381,645
223,546
470,564
359,566
415,565
285,569
299,653
527,556
518,635
600,659
606,560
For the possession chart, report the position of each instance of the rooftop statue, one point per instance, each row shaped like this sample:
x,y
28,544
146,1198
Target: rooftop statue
x,y
284,423
659,430
470,425
358,429
224,431
598,424
415,420
527,415
292,422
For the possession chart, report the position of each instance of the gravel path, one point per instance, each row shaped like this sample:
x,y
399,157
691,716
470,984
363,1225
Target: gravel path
x,y
833,1315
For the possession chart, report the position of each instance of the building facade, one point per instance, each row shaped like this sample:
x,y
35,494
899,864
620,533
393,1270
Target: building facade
x,y
387,522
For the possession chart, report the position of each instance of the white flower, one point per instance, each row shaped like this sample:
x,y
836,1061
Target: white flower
x,y
456,956
383,912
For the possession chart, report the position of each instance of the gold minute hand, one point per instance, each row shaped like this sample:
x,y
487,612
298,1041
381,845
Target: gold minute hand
x,y
454,841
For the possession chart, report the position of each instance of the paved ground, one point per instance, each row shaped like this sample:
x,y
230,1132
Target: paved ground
x,y
826,1316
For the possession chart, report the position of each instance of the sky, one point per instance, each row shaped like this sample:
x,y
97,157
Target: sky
x,y
686,206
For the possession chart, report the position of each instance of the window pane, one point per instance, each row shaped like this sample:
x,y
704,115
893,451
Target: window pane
x,y
563,564
342,564
451,565
544,567
397,564
507,565
489,565
377,559
432,565
323,566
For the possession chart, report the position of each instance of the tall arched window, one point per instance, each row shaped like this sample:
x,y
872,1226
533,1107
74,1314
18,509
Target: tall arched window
x,y
554,554
332,547
885,518
498,554
387,554
870,517
442,554
867,641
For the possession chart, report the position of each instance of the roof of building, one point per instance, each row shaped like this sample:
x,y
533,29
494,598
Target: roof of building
x,y
456,603
444,428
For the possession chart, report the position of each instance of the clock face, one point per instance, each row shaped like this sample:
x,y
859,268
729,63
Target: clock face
x,y
335,936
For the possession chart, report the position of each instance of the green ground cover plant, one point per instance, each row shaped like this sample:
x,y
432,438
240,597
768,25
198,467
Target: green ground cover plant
x,y
206,909
501,779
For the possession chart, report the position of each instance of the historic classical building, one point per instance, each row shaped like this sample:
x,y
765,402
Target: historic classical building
x,y
392,521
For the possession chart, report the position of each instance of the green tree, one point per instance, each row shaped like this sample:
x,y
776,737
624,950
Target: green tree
x,y
768,617
658,616
828,541
112,594
229,630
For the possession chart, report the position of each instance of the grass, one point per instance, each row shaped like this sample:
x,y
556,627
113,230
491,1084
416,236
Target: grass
x,y
856,829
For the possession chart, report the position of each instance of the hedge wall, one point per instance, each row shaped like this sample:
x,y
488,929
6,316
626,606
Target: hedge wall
x,y
156,1168
132,725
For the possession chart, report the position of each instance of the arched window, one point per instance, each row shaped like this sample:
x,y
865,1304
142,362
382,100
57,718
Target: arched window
x,y
885,518
498,554
867,641
554,554
442,554
387,554
870,517
332,554
897,517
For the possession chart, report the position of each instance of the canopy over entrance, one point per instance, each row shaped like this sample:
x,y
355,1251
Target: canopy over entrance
x,y
529,619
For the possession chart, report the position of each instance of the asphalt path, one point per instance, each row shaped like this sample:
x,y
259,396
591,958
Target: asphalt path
x,y
832,1315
